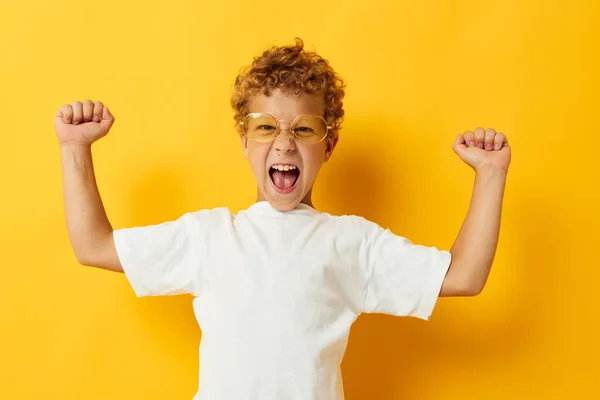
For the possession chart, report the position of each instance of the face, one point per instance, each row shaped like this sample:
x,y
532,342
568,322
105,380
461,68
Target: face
x,y
284,190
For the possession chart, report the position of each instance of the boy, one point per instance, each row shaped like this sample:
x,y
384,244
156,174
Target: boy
x,y
277,286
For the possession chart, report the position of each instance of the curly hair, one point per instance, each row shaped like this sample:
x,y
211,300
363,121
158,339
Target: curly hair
x,y
290,68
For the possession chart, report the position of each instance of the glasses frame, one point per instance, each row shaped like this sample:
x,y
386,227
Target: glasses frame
x,y
278,128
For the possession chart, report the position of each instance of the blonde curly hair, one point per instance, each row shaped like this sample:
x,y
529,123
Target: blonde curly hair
x,y
290,68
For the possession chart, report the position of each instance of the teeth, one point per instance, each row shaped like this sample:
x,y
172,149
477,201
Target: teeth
x,y
282,167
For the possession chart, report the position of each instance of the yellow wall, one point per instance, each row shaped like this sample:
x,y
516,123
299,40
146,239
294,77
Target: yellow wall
x,y
418,73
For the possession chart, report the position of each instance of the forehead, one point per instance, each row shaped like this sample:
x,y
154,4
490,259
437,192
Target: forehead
x,y
287,105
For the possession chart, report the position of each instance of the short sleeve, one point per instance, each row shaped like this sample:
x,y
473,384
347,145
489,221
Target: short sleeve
x,y
160,259
404,279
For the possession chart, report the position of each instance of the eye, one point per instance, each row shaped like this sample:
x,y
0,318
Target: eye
x,y
265,127
304,130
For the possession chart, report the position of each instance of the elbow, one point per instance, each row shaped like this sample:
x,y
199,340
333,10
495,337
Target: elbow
x,y
461,286
473,290
84,260
465,279
474,287
86,257
92,252
465,290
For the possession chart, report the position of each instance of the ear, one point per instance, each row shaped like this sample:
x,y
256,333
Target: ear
x,y
244,141
330,144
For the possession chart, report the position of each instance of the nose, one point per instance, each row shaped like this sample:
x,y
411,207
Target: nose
x,y
284,142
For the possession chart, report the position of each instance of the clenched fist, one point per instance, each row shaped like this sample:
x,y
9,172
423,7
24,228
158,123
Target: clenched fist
x,y
82,122
482,148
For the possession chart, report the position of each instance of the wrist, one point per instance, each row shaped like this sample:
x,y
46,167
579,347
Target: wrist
x,y
76,154
491,170
75,146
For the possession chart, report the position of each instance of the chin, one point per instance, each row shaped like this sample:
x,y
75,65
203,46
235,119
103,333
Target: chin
x,y
286,200
283,206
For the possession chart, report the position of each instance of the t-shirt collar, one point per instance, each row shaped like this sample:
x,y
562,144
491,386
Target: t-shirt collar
x,y
266,207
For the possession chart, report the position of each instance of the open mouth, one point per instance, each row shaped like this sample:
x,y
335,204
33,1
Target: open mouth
x,y
284,177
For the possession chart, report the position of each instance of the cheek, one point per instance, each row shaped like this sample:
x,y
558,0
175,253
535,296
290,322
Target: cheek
x,y
256,154
313,160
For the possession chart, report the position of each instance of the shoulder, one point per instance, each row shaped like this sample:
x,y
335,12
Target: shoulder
x,y
207,213
348,220
352,226
203,219
209,216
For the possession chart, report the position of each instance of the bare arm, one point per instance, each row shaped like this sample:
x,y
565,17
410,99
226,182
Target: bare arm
x,y
89,229
90,232
475,246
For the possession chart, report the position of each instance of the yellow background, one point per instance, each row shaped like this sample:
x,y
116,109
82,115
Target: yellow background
x,y
418,73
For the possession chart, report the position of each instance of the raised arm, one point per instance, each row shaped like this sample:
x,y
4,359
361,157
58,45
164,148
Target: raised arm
x,y
78,126
473,251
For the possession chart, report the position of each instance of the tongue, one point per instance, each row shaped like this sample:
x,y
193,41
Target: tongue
x,y
284,179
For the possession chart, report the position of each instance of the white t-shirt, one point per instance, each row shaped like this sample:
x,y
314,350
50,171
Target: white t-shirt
x,y
275,293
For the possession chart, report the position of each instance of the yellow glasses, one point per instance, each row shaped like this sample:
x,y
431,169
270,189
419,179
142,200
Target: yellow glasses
x,y
262,127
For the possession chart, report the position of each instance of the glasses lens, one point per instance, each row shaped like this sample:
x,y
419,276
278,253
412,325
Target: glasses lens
x,y
260,127
310,128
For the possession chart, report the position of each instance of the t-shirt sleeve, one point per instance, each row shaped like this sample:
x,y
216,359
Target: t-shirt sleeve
x,y
161,259
404,279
